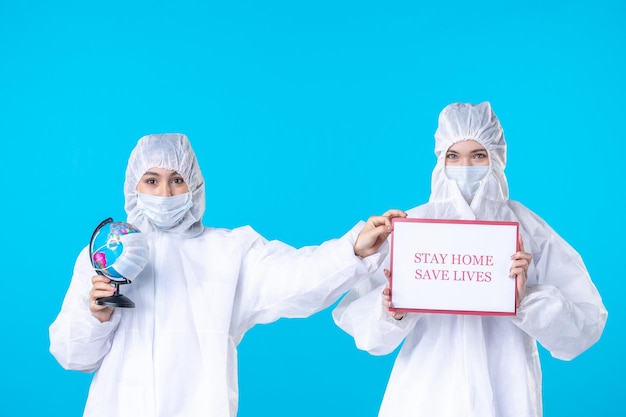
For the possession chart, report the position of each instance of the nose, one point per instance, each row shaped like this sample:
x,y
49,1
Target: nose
x,y
467,162
164,190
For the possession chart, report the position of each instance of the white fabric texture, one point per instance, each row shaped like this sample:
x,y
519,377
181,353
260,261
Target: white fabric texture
x,y
175,353
479,366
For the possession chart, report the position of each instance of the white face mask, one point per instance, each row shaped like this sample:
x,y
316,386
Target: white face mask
x,y
467,178
164,212
134,256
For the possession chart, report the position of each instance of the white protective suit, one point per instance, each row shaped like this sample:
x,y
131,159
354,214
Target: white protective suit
x,y
175,353
479,366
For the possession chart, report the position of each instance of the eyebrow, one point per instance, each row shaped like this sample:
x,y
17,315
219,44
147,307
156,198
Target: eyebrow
x,y
474,152
156,174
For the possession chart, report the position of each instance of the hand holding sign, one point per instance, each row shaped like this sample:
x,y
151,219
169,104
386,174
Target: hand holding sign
x,y
387,300
376,230
519,270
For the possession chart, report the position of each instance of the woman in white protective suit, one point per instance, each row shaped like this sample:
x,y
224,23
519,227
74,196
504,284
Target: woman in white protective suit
x,y
467,365
175,353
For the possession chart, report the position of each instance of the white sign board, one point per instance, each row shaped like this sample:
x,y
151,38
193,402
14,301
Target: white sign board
x,y
453,266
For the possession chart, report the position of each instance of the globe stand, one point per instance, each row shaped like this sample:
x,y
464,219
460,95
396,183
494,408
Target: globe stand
x,y
117,299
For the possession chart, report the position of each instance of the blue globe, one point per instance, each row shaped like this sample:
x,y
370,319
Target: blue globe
x,y
108,250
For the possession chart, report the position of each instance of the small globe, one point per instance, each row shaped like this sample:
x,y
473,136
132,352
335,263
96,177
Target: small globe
x,y
108,251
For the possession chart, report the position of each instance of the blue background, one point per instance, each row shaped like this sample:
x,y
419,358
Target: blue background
x,y
306,117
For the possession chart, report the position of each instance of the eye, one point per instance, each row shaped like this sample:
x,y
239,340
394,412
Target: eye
x,y
178,180
150,181
480,155
451,156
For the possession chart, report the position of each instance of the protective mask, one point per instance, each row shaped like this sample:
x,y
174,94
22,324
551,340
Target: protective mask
x,y
134,256
467,178
164,212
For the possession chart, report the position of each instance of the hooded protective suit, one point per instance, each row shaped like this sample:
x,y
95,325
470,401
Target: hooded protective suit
x,y
479,366
175,354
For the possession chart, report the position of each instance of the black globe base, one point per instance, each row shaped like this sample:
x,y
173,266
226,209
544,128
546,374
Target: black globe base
x,y
117,300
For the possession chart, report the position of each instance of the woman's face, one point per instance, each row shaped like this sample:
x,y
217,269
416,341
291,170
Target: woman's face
x,y
467,153
161,182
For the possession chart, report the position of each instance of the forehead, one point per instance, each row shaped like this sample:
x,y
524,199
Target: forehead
x,y
466,146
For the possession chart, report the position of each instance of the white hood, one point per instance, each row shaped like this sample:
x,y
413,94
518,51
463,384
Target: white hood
x,y
168,151
459,122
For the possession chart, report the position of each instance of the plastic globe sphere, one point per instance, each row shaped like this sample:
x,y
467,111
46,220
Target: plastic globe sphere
x,y
109,254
